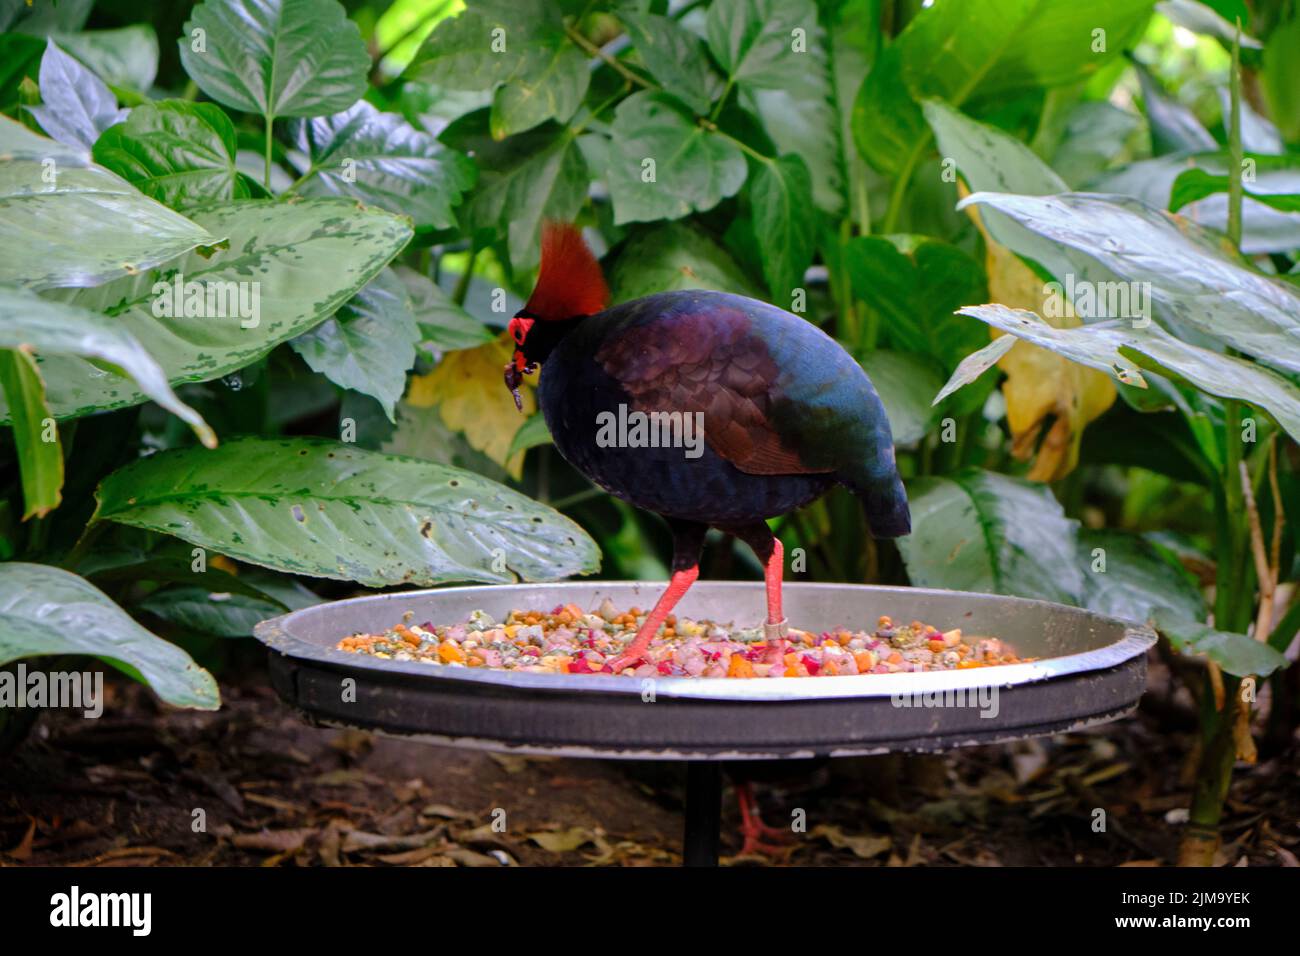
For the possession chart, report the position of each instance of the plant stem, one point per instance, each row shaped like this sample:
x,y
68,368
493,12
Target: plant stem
x,y
592,50
266,177
1234,145
899,190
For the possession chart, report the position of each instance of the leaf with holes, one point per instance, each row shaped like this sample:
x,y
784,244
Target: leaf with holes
x,y
326,509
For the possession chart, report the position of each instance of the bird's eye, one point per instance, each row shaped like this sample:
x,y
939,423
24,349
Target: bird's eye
x,y
518,328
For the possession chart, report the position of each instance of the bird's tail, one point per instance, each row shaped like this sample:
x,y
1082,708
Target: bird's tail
x,y
885,503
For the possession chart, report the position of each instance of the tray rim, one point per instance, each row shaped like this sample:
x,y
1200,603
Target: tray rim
x,y
1136,640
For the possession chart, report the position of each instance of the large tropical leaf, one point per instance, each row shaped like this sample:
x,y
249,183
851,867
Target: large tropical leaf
x,y
325,509
1124,352
106,227
67,337
905,383
1198,282
381,159
301,260
754,41
980,531
180,153
77,106
276,57
45,611
663,165
210,612
369,344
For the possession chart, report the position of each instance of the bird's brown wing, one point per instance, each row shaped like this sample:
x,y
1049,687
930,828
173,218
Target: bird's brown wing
x,y
711,363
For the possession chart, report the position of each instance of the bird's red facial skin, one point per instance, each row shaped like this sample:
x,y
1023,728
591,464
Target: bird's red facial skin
x,y
520,366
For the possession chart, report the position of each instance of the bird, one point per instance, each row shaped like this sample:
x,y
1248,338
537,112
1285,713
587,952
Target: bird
x,y
775,410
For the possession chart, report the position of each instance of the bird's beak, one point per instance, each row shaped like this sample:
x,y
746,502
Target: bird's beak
x,y
515,372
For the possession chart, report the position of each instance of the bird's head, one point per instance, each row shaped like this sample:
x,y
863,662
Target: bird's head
x,y
569,286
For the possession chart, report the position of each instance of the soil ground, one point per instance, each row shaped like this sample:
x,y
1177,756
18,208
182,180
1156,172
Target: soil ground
x,y
252,785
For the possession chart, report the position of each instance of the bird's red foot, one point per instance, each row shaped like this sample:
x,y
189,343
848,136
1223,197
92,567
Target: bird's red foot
x,y
757,836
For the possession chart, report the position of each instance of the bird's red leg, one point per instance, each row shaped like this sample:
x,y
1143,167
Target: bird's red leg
x,y
754,830
767,547
688,539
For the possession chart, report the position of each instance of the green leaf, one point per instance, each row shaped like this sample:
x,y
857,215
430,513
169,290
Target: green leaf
x,y
1174,127
674,256
532,433
976,364
517,48
905,383
1281,76
330,510
20,59
982,51
180,153
443,324
980,531
1277,184
1094,135
369,344
1237,654
77,106
1128,577
39,19
522,180
66,336
106,227
289,266
219,613
40,462
780,195
45,611
276,57
663,165
754,41
674,56
1197,281
914,285
1124,352
127,57
381,159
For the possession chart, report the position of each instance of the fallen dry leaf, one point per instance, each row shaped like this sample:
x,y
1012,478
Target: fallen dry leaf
x,y
866,846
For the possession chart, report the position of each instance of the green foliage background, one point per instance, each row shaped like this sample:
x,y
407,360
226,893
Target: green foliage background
x,y
383,170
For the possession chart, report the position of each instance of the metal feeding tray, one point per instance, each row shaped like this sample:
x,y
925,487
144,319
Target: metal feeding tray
x,y
1088,670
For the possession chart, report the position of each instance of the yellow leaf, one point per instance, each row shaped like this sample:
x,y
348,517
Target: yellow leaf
x,y
1041,384
468,390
